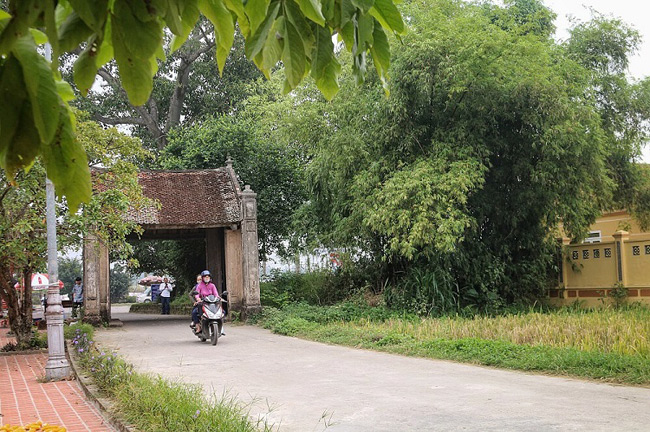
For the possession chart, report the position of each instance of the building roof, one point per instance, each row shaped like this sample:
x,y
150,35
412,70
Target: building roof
x,y
192,199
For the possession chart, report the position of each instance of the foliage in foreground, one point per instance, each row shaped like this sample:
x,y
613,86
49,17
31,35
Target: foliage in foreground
x,y
153,404
609,345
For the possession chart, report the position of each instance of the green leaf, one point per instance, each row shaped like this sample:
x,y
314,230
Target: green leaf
x,y
13,95
39,37
388,16
66,163
272,52
237,7
93,13
189,17
73,31
65,91
347,35
255,44
224,26
25,144
348,10
381,55
257,12
105,52
312,10
25,14
135,44
40,87
293,55
296,17
365,27
325,69
328,8
85,68
173,13
364,5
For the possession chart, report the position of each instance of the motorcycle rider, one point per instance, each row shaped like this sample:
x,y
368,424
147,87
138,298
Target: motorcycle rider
x,y
203,289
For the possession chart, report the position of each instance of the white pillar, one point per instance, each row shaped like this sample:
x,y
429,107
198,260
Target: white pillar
x,y
57,366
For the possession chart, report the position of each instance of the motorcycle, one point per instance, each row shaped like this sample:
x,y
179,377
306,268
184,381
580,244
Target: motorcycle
x,y
212,317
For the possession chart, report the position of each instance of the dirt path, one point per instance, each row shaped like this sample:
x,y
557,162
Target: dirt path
x,y
303,386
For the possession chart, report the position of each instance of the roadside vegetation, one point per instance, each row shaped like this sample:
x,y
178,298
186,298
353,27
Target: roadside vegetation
x,y
608,344
150,403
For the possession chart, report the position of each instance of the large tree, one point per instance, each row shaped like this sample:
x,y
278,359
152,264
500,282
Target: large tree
x,y
492,134
36,119
186,88
22,216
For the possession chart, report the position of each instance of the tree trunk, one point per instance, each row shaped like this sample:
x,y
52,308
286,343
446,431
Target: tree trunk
x,y
19,303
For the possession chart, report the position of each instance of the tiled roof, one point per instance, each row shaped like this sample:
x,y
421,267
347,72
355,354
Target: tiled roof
x,y
201,198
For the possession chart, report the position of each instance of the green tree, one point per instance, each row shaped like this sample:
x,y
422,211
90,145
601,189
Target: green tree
x,y
22,216
36,119
69,270
273,171
22,246
186,88
491,136
119,283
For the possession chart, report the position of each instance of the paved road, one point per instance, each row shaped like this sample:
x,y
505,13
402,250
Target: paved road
x,y
302,386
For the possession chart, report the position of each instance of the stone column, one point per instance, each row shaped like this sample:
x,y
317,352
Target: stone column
x,y
96,281
234,281
250,253
620,237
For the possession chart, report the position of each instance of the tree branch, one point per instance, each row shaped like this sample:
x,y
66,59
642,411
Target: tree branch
x,y
120,120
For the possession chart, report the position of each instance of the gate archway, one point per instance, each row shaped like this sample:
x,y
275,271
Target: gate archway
x,y
206,205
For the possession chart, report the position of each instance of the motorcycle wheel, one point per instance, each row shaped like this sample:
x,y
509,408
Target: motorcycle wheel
x,y
214,333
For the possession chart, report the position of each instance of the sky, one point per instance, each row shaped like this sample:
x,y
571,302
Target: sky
x,y
634,12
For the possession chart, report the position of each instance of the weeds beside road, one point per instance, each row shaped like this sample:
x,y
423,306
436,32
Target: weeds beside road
x,y
151,403
608,345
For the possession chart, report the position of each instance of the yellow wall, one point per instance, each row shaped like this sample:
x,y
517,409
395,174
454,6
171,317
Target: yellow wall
x,y
596,271
591,270
609,223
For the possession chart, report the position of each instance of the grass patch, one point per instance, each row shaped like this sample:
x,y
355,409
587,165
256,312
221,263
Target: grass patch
x,y
609,345
153,404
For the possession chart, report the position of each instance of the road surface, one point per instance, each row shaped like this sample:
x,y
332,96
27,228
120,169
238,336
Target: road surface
x,y
302,386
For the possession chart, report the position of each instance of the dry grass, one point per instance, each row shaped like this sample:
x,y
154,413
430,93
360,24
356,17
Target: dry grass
x,y
609,331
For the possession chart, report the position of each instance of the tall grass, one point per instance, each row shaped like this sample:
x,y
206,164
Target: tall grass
x,y
606,344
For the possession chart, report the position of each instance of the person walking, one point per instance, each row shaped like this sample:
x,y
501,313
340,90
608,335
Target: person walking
x,y
165,295
77,297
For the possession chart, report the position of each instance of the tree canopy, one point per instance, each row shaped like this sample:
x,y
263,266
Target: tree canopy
x,y
36,119
492,135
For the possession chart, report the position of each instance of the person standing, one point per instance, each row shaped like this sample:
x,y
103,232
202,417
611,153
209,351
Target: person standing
x,y
77,296
165,294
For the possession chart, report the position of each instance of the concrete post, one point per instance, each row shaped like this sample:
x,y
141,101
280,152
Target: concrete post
x,y
234,281
57,366
96,281
250,253
620,237
563,274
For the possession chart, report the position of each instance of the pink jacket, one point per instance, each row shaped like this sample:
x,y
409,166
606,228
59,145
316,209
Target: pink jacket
x,y
204,290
